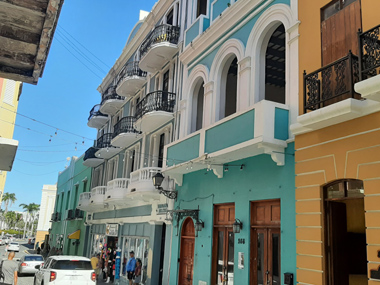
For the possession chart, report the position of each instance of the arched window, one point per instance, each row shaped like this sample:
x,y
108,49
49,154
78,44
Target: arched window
x,y
197,110
228,90
275,67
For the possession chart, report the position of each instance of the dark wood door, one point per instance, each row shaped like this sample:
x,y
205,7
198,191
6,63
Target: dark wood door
x,y
223,245
186,261
341,20
265,243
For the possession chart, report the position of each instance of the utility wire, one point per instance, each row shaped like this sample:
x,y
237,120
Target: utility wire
x,y
80,53
78,58
105,64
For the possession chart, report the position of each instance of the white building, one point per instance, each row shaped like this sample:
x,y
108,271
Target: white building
x,y
46,210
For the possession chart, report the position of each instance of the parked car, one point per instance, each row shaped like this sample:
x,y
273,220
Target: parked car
x,y
29,262
6,239
2,242
14,246
65,269
33,240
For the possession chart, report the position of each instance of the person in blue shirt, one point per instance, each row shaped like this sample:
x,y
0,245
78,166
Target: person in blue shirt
x,y
131,265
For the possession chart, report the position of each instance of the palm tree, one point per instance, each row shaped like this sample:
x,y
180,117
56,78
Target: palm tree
x,y
32,210
8,199
10,218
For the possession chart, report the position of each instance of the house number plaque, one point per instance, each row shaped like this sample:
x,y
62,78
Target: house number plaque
x,y
241,240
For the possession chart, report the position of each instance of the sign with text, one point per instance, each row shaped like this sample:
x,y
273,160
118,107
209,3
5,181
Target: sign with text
x,y
112,230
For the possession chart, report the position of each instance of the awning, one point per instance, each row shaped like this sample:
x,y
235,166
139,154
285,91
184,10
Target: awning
x,y
74,235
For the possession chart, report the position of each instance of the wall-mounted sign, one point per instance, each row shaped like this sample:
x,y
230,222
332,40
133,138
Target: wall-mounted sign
x,y
162,209
112,230
241,260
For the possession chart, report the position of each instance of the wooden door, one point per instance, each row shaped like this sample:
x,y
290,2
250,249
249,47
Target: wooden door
x,y
340,22
186,260
223,263
265,243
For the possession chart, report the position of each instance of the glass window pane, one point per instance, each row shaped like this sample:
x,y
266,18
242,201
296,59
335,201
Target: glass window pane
x,y
347,2
220,265
335,191
276,259
230,266
355,188
260,259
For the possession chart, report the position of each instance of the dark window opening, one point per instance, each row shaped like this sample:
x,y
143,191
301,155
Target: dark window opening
x,y
161,150
275,67
201,7
169,18
132,161
334,7
199,113
231,89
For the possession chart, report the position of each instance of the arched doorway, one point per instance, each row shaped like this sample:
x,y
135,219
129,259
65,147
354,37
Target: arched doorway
x,y
345,233
228,88
275,67
187,253
197,108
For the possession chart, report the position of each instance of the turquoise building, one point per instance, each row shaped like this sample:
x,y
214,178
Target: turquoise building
x,y
69,231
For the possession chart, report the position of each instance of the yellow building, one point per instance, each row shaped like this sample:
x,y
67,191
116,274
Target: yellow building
x,y
338,143
10,92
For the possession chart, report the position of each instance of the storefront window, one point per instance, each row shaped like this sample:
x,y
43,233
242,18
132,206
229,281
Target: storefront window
x,y
140,246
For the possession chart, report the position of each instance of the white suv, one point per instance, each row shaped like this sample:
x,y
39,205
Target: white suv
x,y
65,269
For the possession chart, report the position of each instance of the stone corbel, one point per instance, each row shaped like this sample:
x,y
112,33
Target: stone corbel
x,y
178,178
244,64
218,171
277,156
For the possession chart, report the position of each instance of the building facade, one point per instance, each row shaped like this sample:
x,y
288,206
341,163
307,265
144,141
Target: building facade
x,y
10,92
135,120
337,143
69,231
48,196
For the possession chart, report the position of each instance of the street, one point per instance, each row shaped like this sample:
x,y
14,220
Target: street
x,y
25,280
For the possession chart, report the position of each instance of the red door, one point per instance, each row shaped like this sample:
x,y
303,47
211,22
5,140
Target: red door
x,y
186,260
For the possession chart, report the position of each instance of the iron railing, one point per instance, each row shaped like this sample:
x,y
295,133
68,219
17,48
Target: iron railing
x,y
369,52
113,96
161,33
331,83
104,141
129,70
156,101
95,112
90,153
125,125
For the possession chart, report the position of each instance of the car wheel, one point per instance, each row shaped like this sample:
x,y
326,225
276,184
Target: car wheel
x,y
19,274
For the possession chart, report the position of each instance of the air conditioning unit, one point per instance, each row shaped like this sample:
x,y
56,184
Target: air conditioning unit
x,y
70,215
78,214
57,216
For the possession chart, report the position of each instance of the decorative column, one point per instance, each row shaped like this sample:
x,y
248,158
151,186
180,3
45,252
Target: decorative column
x,y
244,84
208,108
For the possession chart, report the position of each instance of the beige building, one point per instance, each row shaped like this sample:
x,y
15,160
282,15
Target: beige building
x,y
46,210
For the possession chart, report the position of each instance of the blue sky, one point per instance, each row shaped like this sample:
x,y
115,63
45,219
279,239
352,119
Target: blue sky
x,y
67,91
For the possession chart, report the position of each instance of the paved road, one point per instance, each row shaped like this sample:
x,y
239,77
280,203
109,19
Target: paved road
x,y
25,280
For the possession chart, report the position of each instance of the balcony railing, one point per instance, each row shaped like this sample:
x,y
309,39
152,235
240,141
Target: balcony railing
x,y
369,53
125,125
98,190
95,112
162,33
331,83
113,96
156,101
90,153
104,141
131,69
144,174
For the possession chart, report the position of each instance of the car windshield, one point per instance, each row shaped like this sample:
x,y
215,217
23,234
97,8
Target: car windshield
x,y
33,258
71,265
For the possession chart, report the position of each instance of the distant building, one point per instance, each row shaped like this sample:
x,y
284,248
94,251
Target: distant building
x,y
10,92
46,210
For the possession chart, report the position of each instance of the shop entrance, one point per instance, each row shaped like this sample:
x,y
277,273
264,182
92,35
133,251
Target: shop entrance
x,y
265,243
186,260
345,240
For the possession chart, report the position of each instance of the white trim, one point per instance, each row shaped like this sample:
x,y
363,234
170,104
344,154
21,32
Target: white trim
x,y
369,88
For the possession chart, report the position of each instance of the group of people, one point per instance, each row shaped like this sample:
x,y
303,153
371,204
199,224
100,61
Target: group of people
x,y
104,265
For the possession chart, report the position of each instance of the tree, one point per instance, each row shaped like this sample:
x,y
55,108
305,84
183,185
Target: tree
x,y
32,212
10,218
8,200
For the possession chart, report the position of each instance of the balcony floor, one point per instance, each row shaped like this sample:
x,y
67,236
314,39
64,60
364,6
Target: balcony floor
x,y
130,85
93,162
97,122
111,106
157,56
125,139
107,152
153,120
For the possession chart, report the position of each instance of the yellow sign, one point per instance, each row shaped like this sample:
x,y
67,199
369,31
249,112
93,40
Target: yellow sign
x,y
74,235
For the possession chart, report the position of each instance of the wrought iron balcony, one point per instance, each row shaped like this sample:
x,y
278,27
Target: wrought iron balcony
x,y
104,141
156,101
124,132
331,83
96,119
90,159
111,102
159,47
369,53
162,33
130,79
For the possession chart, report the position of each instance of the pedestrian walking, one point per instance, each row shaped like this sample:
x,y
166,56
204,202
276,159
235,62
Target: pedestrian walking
x,y
137,280
9,268
131,265
94,262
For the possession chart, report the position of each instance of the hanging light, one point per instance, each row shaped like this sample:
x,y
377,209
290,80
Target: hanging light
x,y
199,225
237,226
157,179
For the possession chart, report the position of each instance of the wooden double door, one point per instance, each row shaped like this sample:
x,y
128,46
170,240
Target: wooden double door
x,y
186,260
265,243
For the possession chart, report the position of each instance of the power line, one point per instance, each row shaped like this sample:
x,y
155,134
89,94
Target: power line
x,y
105,64
47,162
30,174
78,58
33,150
81,53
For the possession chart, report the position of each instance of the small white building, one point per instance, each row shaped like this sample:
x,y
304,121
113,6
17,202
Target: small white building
x,y
46,210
